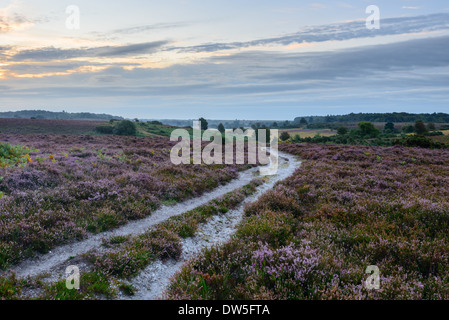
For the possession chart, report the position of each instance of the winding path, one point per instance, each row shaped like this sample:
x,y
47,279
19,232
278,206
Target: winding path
x,y
153,280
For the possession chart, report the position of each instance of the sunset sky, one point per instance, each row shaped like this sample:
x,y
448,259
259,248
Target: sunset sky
x,y
246,59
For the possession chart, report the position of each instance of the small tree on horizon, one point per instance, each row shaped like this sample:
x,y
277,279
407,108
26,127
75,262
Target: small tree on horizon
x,y
389,127
284,136
420,128
303,122
367,129
125,128
342,131
221,128
408,128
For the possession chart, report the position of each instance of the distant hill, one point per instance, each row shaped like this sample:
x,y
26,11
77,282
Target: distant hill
x,y
42,114
379,117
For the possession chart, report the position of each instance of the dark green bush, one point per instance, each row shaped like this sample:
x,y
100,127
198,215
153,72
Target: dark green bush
x,y
421,142
105,129
434,133
284,136
125,128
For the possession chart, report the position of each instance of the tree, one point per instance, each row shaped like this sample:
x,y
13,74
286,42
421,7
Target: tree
x,y
389,127
125,128
342,131
204,124
296,138
221,128
408,129
303,122
420,128
284,136
431,126
367,129
275,124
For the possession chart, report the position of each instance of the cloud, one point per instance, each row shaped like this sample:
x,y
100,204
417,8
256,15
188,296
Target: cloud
x,y
51,53
407,65
413,71
13,22
117,33
364,61
337,32
54,67
318,6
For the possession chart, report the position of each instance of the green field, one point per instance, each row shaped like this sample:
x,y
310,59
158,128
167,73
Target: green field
x,y
310,133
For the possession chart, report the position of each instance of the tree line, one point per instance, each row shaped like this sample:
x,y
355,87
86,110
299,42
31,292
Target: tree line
x,y
378,117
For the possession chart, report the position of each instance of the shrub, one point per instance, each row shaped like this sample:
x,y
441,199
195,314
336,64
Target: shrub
x,y
105,129
420,128
342,131
408,129
296,138
284,136
11,155
434,133
273,228
92,285
389,127
421,142
367,129
125,128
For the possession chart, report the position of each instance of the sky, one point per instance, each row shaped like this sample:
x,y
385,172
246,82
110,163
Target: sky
x,y
224,59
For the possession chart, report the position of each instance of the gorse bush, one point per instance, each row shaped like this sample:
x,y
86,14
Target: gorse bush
x,y
11,155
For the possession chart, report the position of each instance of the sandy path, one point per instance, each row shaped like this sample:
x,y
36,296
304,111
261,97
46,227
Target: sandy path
x,y
153,280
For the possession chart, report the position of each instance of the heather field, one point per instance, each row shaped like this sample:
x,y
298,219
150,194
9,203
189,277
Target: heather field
x,y
49,126
310,235
314,234
109,269
57,189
